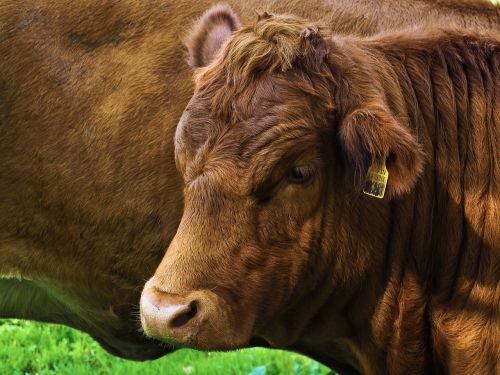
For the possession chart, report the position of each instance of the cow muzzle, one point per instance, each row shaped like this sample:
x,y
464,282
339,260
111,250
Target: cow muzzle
x,y
171,317
198,319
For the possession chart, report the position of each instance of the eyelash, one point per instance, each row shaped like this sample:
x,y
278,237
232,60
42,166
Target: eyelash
x,y
299,175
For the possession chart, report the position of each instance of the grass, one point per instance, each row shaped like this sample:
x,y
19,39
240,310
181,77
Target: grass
x,y
36,348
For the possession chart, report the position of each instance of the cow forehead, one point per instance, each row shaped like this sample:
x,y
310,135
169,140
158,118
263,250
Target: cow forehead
x,y
276,119
288,95
274,116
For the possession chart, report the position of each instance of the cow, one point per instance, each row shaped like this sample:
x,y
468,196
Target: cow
x,y
278,240
90,95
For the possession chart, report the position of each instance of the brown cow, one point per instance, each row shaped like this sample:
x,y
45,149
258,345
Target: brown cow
x,y
277,240
90,94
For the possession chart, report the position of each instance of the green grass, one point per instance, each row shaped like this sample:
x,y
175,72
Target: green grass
x,y
35,348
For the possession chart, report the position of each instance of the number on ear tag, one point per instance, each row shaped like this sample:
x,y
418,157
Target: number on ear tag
x,y
376,179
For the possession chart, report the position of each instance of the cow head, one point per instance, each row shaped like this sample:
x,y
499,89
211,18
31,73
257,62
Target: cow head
x,y
282,121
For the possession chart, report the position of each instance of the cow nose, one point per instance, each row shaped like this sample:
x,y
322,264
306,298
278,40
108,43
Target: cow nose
x,y
180,315
169,316
175,311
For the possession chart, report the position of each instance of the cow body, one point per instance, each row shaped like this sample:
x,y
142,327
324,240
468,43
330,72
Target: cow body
x,y
90,95
277,240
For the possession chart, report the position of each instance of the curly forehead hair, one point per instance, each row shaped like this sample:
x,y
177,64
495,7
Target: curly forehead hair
x,y
272,45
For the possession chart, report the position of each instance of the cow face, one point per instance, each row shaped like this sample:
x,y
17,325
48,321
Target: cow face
x,y
264,165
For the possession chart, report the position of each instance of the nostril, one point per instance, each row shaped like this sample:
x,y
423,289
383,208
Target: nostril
x,y
185,316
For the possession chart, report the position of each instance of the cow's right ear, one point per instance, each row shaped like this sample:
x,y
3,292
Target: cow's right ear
x,y
209,33
371,132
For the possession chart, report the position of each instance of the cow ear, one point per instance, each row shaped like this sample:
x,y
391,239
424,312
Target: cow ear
x,y
209,34
369,133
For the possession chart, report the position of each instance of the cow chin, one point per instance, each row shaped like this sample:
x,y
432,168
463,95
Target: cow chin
x,y
200,319
132,351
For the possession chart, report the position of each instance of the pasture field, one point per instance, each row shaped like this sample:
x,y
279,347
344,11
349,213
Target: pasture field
x,y
29,348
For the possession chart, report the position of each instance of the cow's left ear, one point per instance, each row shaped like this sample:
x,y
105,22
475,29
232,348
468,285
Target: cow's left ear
x,y
209,33
372,132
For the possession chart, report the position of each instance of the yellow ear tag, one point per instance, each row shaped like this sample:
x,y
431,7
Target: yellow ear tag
x,y
376,179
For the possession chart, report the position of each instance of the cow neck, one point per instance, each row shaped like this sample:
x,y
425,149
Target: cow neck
x,y
448,94
435,241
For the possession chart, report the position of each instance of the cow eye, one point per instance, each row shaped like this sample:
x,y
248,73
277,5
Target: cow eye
x,y
299,175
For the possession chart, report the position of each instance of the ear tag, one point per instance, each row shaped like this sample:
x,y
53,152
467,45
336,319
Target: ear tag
x,y
376,179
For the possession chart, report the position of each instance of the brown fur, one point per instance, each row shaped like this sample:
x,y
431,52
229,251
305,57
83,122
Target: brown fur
x,y
90,95
408,284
